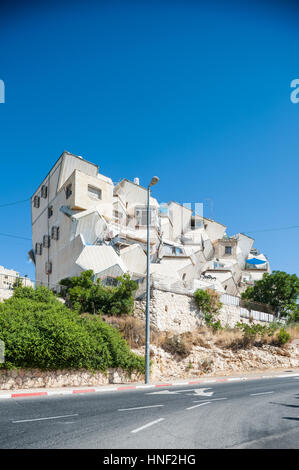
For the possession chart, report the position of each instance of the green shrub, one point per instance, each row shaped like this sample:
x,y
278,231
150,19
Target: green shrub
x,y
40,332
202,300
83,295
208,303
283,336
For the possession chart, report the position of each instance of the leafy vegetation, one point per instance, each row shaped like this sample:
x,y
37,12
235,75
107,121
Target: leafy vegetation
x,y
257,332
208,303
280,290
283,336
40,332
83,295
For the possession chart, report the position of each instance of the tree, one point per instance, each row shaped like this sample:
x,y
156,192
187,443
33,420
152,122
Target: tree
x,y
279,289
84,295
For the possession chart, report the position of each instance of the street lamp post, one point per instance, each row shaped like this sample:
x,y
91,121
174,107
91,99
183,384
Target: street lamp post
x,y
154,181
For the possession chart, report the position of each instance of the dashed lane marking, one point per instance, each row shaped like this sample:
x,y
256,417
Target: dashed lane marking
x,y
42,419
196,406
147,425
139,408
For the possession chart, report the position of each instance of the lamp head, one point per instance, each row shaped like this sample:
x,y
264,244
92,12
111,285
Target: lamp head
x,y
154,181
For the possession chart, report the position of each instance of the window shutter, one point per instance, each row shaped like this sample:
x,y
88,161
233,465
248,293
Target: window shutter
x,y
44,191
55,233
46,241
38,248
48,267
36,201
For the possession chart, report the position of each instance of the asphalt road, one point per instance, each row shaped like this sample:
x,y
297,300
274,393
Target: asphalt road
x,y
256,414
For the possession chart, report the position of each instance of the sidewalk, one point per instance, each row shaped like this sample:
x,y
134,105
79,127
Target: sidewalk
x,y
251,375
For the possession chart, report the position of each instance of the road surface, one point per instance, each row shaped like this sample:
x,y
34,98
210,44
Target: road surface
x,y
255,414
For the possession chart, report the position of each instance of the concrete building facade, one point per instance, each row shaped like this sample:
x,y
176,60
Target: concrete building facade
x,y
81,220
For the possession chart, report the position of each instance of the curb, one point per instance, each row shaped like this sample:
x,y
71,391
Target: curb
x,y
137,387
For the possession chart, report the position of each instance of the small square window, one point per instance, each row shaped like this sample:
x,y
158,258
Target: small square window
x,y
94,193
44,191
228,250
36,201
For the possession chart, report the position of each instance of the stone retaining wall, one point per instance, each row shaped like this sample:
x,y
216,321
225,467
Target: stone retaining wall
x,y
35,378
175,312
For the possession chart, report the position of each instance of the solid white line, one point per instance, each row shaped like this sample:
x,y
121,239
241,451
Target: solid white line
x,y
181,383
148,425
195,406
139,407
261,393
211,399
41,419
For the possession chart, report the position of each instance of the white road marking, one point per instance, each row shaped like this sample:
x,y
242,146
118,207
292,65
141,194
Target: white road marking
x,y
212,399
42,419
196,391
195,406
202,391
261,393
139,407
148,425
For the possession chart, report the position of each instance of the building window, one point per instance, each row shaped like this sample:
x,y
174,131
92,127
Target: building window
x,y
228,250
141,216
46,241
50,211
44,191
36,201
48,267
38,248
68,191
94,193
117,215
55,233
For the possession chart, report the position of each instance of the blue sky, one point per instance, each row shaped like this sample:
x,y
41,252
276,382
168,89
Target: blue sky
x,y
197,94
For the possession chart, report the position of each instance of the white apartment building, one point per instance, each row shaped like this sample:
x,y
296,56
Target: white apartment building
x,y
81,220
8,278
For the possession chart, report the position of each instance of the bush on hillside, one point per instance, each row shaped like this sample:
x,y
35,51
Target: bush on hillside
x,y
208,303
40,332
283,336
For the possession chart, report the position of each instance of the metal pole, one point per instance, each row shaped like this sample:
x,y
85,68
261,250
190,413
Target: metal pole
x,y
147,313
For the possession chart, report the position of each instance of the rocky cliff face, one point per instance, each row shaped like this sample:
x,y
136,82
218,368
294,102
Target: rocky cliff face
x,y
211,361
